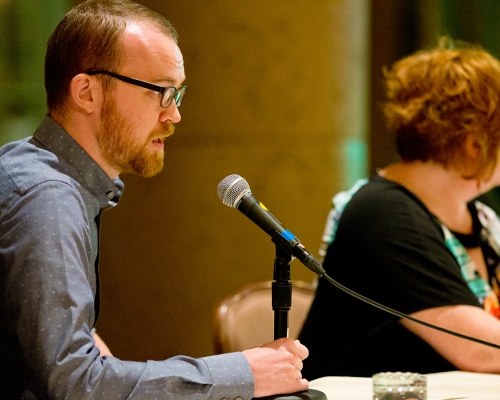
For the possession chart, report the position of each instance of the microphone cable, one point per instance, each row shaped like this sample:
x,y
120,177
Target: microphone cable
x,y
402,315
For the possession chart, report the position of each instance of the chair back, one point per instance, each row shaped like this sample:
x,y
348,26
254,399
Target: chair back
x,y
246,318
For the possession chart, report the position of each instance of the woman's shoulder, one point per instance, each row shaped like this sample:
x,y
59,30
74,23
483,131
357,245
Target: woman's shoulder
x,y
381,193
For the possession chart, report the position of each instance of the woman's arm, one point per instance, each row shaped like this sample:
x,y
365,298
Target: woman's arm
x,y
468,320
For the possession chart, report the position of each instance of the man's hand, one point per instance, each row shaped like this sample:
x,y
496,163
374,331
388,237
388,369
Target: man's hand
x,y
276,367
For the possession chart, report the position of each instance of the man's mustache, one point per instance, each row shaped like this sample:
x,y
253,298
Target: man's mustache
x,y
164,131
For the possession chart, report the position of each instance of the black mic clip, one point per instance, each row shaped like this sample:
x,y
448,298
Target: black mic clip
x,y
290,244
284,256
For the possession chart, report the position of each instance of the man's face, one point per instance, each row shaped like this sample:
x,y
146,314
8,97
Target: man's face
x,y
133,125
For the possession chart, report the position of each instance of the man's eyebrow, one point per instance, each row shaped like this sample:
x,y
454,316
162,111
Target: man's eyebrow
x,y
167,80
161,80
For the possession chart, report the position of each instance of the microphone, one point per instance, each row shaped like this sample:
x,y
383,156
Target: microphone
x,y
234,191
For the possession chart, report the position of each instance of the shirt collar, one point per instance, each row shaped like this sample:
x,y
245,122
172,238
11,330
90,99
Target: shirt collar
x,y
54,138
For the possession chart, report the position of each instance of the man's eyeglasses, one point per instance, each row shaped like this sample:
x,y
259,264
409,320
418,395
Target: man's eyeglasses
x,y
168,93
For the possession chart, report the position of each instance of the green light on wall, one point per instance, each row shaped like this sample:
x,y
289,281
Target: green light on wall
x,y
356,161
25,27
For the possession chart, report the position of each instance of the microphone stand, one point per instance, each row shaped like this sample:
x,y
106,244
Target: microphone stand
x,y
281,302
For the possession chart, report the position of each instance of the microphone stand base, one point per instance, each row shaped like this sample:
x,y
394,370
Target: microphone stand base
x,y
309,394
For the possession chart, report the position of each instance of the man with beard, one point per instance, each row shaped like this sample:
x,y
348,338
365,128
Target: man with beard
x,y
113,76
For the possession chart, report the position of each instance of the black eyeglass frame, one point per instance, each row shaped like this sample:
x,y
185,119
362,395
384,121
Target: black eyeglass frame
x,y
177,96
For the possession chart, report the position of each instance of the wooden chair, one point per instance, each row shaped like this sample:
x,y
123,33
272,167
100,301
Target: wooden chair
x,y
246,318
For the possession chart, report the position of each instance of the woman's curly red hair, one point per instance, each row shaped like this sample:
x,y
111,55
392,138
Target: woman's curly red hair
x,y
436,98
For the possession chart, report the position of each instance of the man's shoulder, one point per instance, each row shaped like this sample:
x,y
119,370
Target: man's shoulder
x,y
25,166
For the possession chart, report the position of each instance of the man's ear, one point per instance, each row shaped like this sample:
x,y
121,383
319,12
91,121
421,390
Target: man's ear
x,y
85,93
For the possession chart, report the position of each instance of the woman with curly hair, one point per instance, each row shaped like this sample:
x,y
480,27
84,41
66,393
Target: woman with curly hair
x,y
412,237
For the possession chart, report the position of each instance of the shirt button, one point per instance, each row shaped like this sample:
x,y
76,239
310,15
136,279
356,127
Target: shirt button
x,y
110,194
237,398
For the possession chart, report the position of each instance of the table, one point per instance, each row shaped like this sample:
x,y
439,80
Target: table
x,y
451,385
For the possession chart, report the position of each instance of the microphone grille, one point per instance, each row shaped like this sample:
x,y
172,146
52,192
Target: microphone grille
x,y
231,189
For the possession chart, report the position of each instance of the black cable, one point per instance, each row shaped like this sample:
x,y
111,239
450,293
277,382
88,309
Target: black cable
x,y
401,315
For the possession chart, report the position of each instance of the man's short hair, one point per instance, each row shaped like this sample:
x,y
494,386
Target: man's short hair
x,y
88,37
436,97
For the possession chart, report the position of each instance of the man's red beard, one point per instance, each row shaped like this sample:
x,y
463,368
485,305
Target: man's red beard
x,y
120,150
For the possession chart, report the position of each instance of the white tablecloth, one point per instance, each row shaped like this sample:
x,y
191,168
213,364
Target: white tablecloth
x,y
441,386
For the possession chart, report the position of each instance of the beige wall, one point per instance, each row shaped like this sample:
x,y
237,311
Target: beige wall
x,y
276,93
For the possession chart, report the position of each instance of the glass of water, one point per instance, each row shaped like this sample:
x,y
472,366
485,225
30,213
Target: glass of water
x,y
399,386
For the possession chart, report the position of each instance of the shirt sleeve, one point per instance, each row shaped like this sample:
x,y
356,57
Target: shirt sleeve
x,y
397,251
47,312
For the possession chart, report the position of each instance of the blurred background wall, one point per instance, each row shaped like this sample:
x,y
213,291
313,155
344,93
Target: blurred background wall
x,y
285,93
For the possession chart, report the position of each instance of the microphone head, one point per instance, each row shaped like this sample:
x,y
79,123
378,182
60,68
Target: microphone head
x,y
232,189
